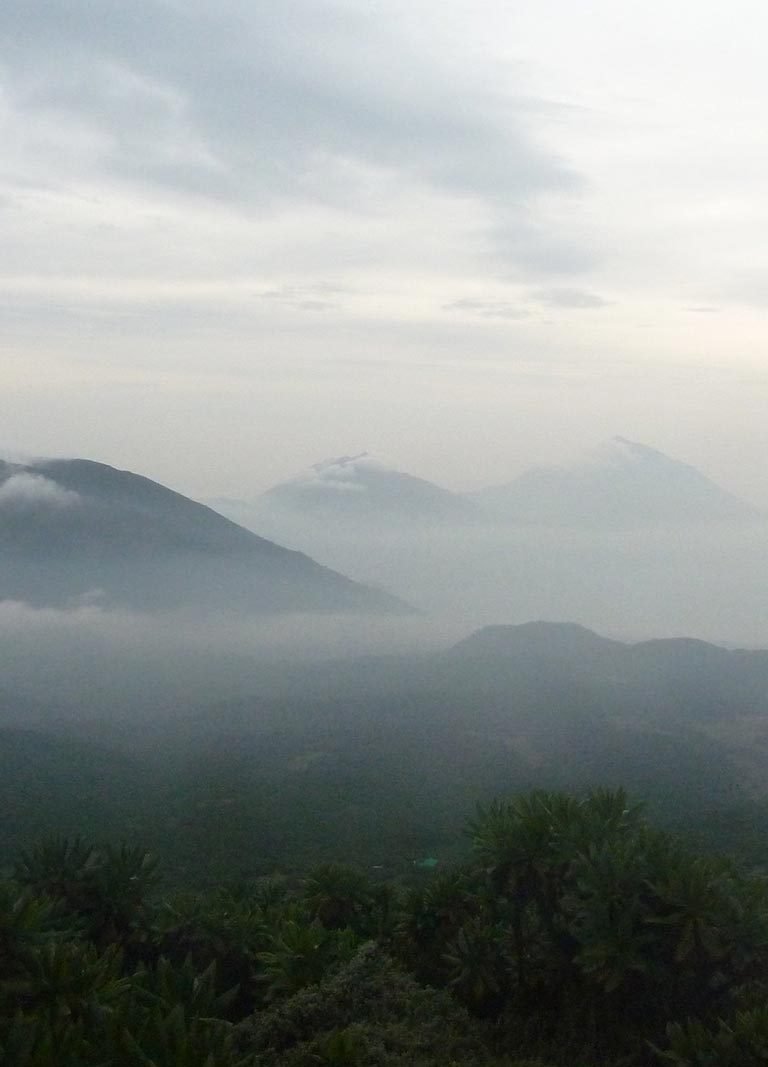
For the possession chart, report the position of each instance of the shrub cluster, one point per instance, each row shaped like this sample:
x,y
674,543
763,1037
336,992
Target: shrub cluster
x,y
576,936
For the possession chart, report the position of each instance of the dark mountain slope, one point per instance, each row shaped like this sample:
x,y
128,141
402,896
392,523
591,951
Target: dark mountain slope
x,y
566,641
675,680
70,528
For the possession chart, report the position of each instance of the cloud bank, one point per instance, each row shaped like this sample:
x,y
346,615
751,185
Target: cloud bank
x,y
34,490
267,104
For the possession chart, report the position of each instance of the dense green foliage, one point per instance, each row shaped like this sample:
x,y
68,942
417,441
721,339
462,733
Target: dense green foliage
x,y
575,935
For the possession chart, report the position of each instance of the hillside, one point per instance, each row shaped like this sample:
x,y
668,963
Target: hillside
x,y
79,529
377,760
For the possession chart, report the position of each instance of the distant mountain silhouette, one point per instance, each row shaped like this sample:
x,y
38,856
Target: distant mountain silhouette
x,y
547,638
666,679
621,483
363,488
76,528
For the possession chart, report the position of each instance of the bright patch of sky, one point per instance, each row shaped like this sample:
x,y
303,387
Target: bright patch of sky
x,y
239,239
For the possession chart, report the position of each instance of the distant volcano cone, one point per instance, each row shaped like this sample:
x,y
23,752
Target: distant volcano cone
x,y
619,483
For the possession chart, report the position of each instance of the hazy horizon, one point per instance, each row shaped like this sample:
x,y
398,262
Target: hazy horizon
x,y
523,464
630,544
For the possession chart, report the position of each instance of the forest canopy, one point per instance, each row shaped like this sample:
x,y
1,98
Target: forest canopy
x,y
575,934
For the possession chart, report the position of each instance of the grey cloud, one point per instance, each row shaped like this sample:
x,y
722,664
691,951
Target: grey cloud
x,y
569,298
120,656
488,309
319,297
30,490
301,100
531,251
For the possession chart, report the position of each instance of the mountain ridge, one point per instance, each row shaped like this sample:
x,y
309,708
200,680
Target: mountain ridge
x,y
78,525
364,488
619,482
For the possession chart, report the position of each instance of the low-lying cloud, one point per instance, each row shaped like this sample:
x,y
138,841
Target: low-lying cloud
x,y
24,490
98,659
579,299
342,475
488,309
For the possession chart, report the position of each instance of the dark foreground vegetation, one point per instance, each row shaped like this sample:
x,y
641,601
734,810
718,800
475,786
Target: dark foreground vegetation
x,y
575,935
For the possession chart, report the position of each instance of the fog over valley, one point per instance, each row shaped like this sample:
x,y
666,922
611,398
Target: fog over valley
x,y
625,539
130,580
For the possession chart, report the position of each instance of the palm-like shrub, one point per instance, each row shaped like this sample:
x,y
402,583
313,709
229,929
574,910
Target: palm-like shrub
x,y
35,1043
222,929
301,953
168,986
176,1037
337,895
576,933
26,922
478,968
611,924
739,1042
57,868
524,846
431,918
69,982
106,888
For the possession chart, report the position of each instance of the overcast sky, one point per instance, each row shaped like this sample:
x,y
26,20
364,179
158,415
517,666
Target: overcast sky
x,y
241,237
